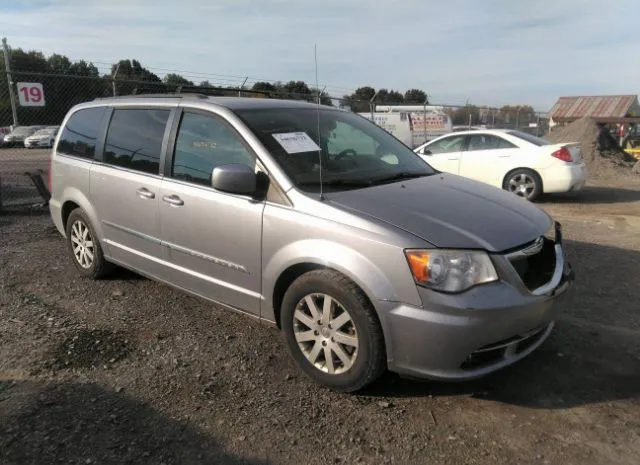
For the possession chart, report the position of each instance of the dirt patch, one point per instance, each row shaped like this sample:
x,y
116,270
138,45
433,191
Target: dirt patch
x,y
90,349
601,152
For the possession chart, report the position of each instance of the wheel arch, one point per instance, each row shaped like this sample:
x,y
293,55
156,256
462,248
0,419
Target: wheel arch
x,y
74,198
294,260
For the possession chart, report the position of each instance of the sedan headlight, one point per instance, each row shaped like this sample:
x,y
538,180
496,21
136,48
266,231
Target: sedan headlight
x,y
451,270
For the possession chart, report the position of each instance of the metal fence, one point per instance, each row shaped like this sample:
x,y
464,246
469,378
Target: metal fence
x,y
43,99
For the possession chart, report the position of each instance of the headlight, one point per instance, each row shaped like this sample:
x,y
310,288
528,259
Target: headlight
x,y
451,270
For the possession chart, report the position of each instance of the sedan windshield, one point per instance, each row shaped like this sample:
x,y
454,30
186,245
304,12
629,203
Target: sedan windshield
x,y
351,151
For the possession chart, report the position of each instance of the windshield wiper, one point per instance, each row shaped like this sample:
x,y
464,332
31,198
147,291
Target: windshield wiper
x,y
337,183
399,176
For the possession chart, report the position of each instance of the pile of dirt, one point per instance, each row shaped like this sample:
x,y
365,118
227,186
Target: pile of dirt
x,y
600,151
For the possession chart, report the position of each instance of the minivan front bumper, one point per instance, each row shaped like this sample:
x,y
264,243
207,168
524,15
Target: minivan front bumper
x,y
469,335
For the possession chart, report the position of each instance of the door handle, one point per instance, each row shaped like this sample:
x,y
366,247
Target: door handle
x,y
453,158
173,200
145,193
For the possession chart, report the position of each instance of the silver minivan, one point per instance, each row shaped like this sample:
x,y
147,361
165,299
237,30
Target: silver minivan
x,y
313,219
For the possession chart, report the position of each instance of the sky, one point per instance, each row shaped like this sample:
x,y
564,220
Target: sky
x,y
486,52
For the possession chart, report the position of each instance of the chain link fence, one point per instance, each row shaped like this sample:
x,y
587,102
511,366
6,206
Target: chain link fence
x,y
41,101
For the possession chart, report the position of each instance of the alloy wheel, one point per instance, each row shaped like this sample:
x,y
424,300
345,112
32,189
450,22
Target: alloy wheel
x,y
82,244
522,184
325,333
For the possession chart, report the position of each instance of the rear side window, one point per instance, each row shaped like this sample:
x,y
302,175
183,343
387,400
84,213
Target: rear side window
x,y
134,139
80,134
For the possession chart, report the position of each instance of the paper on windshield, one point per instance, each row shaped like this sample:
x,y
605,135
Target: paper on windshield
x,y
296,142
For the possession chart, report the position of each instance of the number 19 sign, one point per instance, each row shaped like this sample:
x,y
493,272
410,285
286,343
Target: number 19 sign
x,y
30,94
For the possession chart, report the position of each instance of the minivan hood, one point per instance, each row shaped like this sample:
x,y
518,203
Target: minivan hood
x,y
450,212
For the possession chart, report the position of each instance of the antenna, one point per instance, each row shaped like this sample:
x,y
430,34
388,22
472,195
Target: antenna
x,y
315,57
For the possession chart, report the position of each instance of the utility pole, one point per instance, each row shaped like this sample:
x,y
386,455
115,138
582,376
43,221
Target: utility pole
x,y
242,86
7,67
113,79
371,104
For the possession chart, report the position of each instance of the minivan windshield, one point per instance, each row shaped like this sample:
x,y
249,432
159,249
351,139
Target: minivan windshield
x,y
353,152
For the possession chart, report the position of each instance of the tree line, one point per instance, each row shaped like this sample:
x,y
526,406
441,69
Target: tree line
x,y
67,83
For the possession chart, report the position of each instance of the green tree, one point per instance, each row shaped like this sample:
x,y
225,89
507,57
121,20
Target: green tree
x,y
131,75
82,68
358,101
516,115
133,70
264,87
58,64
389,97
177,80
415,97
297,90
462,116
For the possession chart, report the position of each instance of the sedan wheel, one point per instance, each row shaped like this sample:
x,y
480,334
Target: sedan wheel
x,y
524,183
325,333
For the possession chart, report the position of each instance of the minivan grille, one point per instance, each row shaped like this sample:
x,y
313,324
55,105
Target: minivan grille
x,y
536,269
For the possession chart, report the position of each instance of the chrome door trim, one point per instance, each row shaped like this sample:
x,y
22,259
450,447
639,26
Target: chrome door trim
x,y
182,269
176,247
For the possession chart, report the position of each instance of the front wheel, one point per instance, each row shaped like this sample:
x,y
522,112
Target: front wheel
x,y
524,183
332,331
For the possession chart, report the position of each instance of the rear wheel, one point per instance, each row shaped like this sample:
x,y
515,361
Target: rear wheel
x,y
332,331
524,183
84,247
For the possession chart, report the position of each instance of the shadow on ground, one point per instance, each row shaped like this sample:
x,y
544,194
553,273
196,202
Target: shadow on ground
x,y
85,424
593,195
593,355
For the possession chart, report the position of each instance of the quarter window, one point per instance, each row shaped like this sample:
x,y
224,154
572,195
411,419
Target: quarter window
x,y
80,134
134,139
204,142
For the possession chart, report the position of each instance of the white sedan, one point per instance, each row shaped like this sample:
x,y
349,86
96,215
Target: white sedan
x,y
508,159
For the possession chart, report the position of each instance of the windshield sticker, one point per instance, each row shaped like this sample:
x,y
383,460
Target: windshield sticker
x,y
296,142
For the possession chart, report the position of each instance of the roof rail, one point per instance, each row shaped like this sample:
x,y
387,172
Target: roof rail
x,y
158,95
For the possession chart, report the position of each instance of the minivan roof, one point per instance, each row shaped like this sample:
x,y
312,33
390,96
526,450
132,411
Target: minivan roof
x,y
233,103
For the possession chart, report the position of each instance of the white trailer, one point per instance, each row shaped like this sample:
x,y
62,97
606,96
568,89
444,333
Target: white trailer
x,y
412,124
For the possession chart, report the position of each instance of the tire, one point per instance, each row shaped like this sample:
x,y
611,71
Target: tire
x,y
523,182
365,361
89,260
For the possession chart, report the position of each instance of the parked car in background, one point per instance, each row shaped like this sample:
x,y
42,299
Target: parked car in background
x,y
317,221
42,138
19,134
4,130
513,160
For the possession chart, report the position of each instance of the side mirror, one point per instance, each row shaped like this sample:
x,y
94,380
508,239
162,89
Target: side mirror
x,y
235,179
426,151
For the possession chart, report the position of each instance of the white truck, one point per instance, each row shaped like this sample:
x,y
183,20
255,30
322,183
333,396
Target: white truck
x,y
412,124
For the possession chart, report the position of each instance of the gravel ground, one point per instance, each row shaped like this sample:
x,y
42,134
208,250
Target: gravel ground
x,y
127,370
